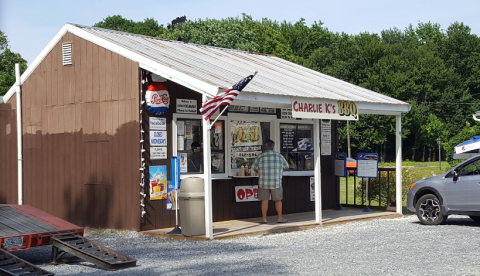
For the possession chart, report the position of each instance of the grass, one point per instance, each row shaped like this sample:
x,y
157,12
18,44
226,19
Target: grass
x,y
422,169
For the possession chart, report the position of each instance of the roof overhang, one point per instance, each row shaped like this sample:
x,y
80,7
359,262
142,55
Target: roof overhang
x,y
247,98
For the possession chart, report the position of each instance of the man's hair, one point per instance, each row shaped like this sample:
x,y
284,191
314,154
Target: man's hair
x,y
269,144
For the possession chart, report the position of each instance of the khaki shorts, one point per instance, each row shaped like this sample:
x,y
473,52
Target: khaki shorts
x,y
264,194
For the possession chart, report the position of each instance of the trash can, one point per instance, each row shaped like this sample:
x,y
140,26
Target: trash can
x,y
192,206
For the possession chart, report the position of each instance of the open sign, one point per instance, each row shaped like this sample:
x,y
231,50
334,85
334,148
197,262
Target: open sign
x,y
246,193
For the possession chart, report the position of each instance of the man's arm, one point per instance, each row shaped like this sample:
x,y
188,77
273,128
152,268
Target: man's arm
x,y
284,163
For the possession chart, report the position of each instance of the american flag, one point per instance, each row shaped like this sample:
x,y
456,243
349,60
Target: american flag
x,y
224,98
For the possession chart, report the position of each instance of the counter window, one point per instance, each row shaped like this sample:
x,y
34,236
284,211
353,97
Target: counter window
x,y
190,146
247,140
296,145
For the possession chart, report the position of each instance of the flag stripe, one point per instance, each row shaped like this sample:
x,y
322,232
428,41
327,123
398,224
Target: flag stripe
x,y
224,98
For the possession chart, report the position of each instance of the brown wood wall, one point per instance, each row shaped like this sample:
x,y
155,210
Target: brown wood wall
x,y
8,152
296,189
81,137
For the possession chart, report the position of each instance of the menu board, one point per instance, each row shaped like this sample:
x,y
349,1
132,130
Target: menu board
x,y
367,165
287,133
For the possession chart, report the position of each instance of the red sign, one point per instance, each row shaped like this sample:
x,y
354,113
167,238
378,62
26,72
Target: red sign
x,y
246,193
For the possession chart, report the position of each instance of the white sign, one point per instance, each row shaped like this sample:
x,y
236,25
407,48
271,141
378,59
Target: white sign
x,y
246,193
186,106
180,127
287,113
468,147
367,165
326,137
158,153
238,108
312,188
158,138
267,110
323,109
254,109
158,123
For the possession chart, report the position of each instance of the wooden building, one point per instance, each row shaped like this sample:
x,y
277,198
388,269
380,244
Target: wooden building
x,y
88,135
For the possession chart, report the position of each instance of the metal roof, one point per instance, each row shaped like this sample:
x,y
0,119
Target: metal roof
x,y
208,69
223,67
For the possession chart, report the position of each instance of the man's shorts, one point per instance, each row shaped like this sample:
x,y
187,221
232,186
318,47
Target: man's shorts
x,y
264,194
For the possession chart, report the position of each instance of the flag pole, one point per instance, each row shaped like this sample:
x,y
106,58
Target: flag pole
x,y
210,126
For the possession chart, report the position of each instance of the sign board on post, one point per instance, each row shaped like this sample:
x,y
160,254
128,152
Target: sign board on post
x,y
367,165
246,193
340,164
323,109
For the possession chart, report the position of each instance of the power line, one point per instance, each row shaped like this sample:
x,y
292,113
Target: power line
x,y
449,103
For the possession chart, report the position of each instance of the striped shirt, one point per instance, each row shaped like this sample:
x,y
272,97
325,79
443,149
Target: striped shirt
x,y
270,167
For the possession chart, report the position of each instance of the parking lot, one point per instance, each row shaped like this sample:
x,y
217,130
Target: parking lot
x,y
378,247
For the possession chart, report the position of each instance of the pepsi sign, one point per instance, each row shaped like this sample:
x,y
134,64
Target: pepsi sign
x,y
157,99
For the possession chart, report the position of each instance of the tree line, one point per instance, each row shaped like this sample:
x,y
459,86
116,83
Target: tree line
x,y
435,70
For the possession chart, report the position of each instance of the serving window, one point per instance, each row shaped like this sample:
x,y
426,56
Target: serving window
x,y
296,145
247,140
189,146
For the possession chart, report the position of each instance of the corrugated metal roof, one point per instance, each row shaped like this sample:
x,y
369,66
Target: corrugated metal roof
x,y
223,67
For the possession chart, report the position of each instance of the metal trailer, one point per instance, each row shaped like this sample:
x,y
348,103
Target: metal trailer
x,y
23,227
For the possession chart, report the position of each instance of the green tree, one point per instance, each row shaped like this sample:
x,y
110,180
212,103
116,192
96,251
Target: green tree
x,y
7,65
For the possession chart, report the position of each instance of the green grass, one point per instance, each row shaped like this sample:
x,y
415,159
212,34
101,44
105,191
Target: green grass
x,y
422,169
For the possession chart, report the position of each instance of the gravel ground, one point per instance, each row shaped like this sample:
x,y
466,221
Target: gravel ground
x,y
378,247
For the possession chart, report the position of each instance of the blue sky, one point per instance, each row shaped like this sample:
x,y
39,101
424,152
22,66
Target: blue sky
x,y
31,24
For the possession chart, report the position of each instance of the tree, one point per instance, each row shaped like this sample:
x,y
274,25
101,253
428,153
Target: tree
x,y
7,65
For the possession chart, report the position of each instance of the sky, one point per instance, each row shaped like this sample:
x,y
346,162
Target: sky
x,y
31,24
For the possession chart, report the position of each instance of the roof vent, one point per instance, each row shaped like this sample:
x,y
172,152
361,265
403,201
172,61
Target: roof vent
x,y
67,53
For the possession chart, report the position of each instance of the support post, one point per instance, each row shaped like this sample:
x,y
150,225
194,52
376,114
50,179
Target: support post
x,y
207,176
398,163
318,173
19,135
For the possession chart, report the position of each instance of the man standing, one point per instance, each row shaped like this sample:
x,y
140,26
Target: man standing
x,y
270,166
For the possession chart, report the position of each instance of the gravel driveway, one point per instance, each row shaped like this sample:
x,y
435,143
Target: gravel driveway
x,y
378,247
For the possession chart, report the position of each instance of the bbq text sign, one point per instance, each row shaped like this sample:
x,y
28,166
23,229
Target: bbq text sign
x,y
323,109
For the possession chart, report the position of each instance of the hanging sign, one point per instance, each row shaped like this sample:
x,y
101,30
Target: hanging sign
x,y
158,182
326,137
158,123
237,108
172,200
267,110
323,109
367,165
340,164
158,138
187,106
158,153
157,99
246,193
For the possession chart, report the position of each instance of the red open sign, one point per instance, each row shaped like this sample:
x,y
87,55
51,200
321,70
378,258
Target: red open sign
x,y
246,193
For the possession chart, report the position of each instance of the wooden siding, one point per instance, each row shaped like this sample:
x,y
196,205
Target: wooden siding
x,y
81,137
8,152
